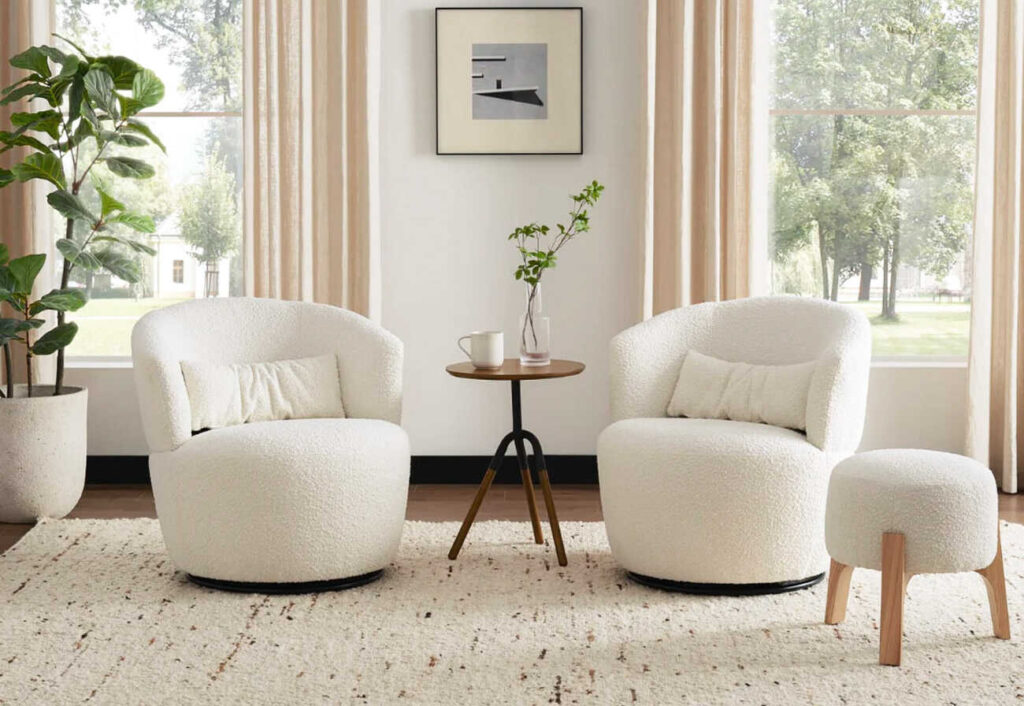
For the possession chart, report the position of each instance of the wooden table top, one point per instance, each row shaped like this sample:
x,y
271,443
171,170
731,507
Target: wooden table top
x,y
512,369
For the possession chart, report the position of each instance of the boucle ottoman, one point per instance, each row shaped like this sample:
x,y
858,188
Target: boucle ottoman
x,y
906,512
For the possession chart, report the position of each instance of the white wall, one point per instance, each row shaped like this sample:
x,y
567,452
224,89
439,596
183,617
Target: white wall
x,y
447,268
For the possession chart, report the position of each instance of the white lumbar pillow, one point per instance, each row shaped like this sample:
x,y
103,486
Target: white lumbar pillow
x,y
709,388
223,395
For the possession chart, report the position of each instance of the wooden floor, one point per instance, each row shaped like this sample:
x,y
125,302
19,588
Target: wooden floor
x,y
434,503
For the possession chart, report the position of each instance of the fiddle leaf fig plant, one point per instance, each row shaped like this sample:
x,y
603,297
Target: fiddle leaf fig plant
x,y
88,108
17,277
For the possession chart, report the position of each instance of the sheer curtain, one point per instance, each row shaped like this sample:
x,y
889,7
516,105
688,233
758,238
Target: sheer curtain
x,y
25,225
308,152
707,148
995,388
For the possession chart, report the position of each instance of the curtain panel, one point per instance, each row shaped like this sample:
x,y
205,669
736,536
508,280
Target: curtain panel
x,y
995,387
25,225
706,151
308,152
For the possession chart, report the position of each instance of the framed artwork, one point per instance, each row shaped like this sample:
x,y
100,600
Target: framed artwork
x,y
509,80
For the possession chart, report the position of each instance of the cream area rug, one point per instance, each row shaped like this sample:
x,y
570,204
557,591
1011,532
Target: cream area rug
x,y
91,611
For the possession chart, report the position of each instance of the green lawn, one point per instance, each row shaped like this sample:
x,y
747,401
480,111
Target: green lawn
x,y
105,325
924,328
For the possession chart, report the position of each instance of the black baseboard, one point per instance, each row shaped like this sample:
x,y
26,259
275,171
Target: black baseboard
x,y
425,469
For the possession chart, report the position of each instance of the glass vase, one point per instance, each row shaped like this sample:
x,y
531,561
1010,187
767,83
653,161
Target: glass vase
x,y
534,331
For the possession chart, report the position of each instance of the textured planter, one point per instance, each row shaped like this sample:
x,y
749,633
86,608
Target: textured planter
x,y
42,453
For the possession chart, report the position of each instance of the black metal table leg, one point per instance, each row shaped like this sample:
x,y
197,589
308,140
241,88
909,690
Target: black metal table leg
x,y
524,466
518,436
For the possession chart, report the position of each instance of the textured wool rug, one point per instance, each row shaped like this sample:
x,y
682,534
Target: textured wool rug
x,y
92,611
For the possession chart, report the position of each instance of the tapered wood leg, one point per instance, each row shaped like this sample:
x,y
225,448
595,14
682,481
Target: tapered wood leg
x,y
890,646
531,499
995,582
838,592
556,531
471,515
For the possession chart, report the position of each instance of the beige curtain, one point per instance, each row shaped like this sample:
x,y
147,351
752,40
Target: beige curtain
x,y
996,364
308,152
24,214
707,140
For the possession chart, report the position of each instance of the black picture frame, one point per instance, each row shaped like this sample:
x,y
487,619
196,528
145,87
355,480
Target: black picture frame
x,y
437,124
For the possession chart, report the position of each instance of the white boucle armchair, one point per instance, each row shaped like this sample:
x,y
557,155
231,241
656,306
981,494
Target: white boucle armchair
x,y
294,505
721,506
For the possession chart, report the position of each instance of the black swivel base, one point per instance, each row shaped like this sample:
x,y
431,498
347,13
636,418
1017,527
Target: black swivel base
x,y
727,589
279,588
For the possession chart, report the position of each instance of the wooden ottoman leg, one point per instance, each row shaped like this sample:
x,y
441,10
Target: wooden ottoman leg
x,y
995,582
890,646
838,592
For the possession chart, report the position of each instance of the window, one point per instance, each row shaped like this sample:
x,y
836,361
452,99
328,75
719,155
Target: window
x,y
195,197
873,132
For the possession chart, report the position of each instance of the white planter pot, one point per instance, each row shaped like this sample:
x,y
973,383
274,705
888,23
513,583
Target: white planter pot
x,y
42,453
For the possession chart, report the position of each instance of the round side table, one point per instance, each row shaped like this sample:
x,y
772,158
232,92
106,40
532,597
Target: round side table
x,y
512,370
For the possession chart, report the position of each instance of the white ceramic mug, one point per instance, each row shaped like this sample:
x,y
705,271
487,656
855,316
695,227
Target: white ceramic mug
x,y
486,349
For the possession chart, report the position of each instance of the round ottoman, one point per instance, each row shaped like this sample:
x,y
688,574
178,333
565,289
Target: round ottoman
x,y
906,512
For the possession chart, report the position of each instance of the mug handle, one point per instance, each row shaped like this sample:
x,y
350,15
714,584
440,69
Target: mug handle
x,y
459,343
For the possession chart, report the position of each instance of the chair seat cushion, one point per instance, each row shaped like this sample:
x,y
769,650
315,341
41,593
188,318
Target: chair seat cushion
x,y
284,501
713,501
945,505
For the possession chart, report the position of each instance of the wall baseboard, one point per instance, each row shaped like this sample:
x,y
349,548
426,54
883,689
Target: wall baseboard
x,y
563,469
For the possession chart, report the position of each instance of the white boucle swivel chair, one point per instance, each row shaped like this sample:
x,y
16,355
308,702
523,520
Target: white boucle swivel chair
x,y
278,506
721,506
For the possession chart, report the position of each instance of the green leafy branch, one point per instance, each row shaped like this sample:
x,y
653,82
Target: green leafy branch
x,y
536,257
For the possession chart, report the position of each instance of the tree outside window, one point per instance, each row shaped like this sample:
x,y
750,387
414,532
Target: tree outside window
x,y
873,120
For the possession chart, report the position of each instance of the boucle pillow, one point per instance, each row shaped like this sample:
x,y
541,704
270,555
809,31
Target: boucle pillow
x,y
223,395
709,388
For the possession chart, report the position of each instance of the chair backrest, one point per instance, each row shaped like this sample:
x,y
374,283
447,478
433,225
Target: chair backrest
x,y
246,330
646,358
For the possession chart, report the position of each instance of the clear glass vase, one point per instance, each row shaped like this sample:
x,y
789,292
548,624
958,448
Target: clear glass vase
x,y
534,331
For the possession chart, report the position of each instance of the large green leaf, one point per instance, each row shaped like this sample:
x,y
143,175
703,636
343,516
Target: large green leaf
x,y
24,270
7,89
143,129
11,328
75,96
59,300
78,257
53,54
6,177
47,121
55,339
41,165
30,90
99,85
130,168
147,89
120,266
70,206
121,138
108,204
71,66
11,140
32,59
135,221
122,70
5,254
127,242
